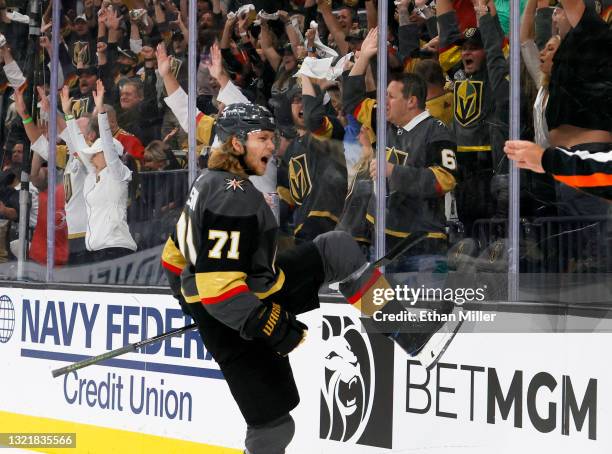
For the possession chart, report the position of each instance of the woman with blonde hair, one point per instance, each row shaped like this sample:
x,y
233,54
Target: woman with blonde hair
x,y
105,187
539,65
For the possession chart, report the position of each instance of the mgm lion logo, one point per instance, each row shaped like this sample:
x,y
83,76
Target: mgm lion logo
x,y
355,407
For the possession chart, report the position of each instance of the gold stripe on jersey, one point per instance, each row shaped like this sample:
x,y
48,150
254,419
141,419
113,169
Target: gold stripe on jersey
x,y
204,128
213,285
280,281
449,57
325,131
363,112
473,148
191,299
398,234
317,214
441,107
72,236
323,214
172,256
285,195
410,64
445,179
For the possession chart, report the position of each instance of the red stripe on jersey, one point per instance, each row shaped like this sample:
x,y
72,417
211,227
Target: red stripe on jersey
x,y
357,110
173,269
357,296
233,292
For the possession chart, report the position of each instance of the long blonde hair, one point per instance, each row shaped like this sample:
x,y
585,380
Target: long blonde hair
x,y
226,158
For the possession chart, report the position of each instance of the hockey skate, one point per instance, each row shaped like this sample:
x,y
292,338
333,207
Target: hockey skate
x,y
425,337
426,342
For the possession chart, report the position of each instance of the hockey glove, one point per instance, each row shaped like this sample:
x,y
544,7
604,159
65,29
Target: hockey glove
x,y
277,327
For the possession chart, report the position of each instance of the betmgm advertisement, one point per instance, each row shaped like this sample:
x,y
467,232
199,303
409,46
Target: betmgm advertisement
x,y
359,393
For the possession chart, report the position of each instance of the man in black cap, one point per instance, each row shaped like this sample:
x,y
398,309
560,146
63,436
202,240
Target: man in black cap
x,y
81,42
480,123
126,62
82,101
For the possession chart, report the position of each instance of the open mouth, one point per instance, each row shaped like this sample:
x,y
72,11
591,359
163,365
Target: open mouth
x,y
468,62
348,392
301,114
265,159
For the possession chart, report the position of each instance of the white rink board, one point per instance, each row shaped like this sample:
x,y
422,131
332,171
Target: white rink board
x,y
373,406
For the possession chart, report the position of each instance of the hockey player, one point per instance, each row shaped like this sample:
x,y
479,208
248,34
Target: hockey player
x,y
585,167
243,296
421,163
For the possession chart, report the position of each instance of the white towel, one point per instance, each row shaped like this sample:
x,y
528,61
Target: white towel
x,y
322,68
326,51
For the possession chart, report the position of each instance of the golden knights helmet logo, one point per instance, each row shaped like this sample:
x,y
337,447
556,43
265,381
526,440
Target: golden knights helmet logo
x,y
175,66
79,107
397,157
468,101
300,183
80,52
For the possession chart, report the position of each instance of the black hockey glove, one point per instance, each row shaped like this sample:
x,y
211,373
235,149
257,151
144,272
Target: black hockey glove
x,y
277,327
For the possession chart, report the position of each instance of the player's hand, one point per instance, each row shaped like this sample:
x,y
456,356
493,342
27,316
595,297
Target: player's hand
x,y
277,327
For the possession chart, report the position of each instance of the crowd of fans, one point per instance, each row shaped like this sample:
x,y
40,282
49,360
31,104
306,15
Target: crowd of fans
x,y
313,64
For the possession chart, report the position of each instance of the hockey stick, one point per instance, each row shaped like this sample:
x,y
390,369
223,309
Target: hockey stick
x,y
404,245
122,350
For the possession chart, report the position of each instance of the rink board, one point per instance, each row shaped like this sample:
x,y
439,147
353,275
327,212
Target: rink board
x,y
494,391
